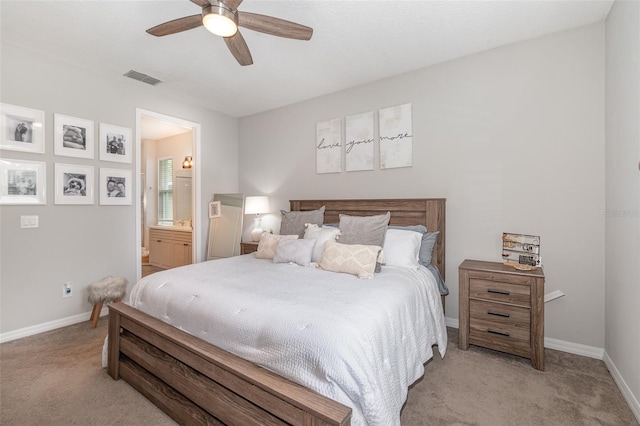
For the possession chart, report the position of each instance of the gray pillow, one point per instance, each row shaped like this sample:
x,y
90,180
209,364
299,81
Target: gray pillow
x,y
367,230
296,251
426,248
293,222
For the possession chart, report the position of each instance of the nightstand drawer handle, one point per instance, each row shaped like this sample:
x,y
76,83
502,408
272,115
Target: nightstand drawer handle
x,y
502,333
498,314
505,292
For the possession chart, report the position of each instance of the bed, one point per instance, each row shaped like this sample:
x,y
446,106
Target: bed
x,y
196,382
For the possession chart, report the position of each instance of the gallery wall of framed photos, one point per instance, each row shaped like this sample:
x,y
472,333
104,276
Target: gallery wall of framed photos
x,y
75,181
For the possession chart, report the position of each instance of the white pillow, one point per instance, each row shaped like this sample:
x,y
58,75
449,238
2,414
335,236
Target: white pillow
x,y
321,235
402,248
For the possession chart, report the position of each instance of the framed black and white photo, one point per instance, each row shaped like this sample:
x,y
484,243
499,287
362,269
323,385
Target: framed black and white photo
x,y
22,129
214,209
115,187
115,143
73,184
73,137
22,182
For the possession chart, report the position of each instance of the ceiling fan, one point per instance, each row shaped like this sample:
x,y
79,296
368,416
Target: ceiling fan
x,y
223,18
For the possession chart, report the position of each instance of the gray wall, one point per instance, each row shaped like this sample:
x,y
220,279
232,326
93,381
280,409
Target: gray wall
x,y
622,316
512,137
82,244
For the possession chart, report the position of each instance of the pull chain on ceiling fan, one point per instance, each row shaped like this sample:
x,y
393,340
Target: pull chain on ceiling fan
x,y
223,19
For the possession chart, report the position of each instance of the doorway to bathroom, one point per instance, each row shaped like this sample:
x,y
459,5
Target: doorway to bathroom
x,y
168,187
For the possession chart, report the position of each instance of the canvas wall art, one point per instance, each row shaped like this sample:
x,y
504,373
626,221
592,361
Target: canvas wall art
x,y
396,137
359,141
329,146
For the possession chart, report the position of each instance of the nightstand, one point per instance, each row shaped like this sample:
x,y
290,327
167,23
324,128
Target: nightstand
x,y
502,308
247,247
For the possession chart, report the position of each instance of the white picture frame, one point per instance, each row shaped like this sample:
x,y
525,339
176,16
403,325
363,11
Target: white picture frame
x,y
73,137
215,209
115,143
22,182
21,129
115,186
73,184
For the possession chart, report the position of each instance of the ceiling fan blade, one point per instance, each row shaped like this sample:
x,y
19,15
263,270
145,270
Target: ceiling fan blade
x,y
176,26
274,26
231,4
201,3
239,49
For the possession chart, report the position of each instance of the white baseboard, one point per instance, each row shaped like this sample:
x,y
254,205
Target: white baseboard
x,y
574,348
631,399
452,322
48,326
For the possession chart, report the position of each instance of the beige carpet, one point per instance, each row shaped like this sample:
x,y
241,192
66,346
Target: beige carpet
x,y
55,378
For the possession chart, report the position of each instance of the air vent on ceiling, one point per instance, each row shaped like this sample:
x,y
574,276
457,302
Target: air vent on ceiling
x,y
142,77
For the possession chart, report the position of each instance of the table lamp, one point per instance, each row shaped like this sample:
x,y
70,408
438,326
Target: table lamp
x,y
256,205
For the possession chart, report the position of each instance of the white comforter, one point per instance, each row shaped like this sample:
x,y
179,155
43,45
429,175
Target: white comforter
x,y
359,342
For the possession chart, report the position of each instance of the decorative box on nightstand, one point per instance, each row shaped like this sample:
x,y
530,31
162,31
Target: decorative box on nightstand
x,y
248,247
502,308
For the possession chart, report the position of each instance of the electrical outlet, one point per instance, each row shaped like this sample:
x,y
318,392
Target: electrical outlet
x,y
67,290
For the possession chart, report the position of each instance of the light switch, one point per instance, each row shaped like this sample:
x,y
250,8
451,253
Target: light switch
x,y
28,221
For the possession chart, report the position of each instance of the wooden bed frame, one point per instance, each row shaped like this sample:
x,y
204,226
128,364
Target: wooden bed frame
x,y
196,382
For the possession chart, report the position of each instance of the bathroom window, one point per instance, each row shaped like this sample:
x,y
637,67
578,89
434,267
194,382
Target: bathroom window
x,y
165,191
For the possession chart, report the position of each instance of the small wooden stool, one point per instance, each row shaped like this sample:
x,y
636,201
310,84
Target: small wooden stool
x,y
107,290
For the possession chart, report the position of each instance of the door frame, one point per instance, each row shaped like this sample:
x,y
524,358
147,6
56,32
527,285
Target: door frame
x,y
197,249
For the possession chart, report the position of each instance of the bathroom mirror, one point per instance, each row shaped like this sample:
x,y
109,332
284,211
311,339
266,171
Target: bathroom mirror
x,y
225,230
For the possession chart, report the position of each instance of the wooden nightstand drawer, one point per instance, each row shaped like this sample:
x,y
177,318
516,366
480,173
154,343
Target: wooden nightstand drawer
x,y
513,340
500,315
500,291
500,277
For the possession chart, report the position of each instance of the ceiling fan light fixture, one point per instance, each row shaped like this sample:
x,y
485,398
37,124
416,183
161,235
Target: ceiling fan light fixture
x,y
220,20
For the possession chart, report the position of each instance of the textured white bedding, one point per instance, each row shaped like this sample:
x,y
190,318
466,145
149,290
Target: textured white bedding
x,y
359,342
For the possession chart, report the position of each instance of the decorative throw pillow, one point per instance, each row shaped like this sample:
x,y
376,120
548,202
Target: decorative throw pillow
x,y
401,248
367,230
293,222
355,259
321,235
269,243
296,251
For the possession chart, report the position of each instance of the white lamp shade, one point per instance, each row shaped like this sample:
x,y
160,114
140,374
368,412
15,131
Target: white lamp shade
x,y
256,205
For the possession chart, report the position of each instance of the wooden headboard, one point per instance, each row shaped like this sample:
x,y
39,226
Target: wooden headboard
x,y
429,212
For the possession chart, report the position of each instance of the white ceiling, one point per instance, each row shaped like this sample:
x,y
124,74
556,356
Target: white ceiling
x,y
354,42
